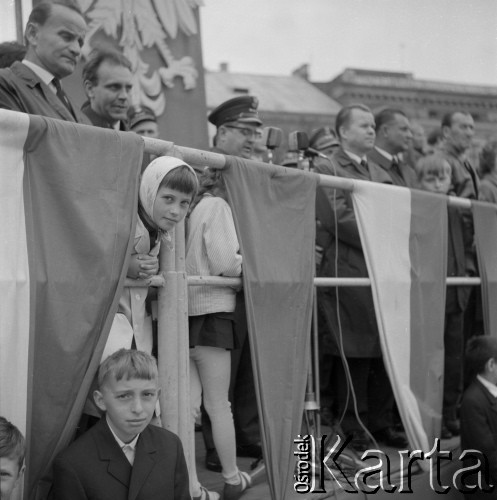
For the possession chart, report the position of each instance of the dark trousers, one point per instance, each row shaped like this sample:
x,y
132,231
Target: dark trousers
x,y
373,393
242,387
453,363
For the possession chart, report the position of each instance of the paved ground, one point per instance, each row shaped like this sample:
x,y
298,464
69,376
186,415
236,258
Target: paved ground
x,y
260,489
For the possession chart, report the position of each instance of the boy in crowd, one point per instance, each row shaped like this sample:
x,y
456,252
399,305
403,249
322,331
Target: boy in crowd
x,y
122,456
478,409
12,450
434,174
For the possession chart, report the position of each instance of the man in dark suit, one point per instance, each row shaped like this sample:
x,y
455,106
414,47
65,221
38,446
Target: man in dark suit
x,y
108,81
479,415
353,323
54,35
393,137
123,457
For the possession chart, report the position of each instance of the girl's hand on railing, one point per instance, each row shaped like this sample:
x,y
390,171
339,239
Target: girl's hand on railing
x,y
142,266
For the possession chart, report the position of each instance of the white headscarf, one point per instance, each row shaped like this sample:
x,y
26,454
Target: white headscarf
x,y
152,177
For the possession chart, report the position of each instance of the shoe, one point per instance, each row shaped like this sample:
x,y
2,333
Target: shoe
x,y
235,491
360,441
212,461
391,438
453,426
249,450
207,495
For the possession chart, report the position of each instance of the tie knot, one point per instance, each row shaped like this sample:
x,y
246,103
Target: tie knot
x,y
395,160
57,85
364,163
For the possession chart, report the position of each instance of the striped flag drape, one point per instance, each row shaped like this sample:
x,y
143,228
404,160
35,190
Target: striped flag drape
x,y
404,238
69,193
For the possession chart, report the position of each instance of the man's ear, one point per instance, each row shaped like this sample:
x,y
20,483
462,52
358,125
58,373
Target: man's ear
x,y
99,400
89,89
31,33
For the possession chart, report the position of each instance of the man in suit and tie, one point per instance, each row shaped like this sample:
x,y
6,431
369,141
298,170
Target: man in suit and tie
x,y
353,322
123,457
393,137
458,129
54,35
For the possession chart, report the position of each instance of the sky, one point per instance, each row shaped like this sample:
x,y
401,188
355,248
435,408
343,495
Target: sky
x,y
445,40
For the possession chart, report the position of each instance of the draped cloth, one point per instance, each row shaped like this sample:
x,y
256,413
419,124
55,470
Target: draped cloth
x,y
273,208
69,194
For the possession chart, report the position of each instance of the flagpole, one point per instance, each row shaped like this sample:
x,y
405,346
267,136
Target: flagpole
x,y
19,25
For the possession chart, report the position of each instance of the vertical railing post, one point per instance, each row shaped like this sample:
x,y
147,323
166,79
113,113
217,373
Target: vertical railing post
x,y
173,343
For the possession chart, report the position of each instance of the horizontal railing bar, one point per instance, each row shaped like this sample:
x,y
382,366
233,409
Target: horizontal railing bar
x,y
158,281
217,160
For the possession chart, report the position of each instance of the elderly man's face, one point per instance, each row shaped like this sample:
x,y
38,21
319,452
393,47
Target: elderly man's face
x,y
56,46
238,139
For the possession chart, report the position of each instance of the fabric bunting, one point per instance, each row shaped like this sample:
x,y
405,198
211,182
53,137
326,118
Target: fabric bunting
x,y
404,238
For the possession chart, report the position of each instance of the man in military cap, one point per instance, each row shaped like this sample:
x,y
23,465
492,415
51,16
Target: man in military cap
x,y
237,124
143,121
324,140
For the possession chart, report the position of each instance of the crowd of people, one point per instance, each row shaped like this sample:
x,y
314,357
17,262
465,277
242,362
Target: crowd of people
x,y
384,147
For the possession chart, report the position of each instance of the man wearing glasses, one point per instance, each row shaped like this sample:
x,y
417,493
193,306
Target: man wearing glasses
x,y
238,126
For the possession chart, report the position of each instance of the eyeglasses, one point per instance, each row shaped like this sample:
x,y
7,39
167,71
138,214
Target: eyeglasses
x,y
246,132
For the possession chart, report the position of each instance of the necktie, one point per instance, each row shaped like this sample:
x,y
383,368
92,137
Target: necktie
x,y
62,95
395,167
364,164
129,452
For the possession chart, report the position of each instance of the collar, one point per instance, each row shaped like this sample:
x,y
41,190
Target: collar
x,y
45,76
122,444
384,153
492,389
355,157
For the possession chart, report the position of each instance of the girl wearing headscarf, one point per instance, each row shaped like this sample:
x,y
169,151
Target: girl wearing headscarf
x,y
167,188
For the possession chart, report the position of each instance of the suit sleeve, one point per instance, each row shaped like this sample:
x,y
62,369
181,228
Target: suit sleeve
x,y
66,482
181,479
477,433
8,99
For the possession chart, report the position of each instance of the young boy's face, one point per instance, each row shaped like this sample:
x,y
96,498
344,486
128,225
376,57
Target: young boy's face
x,y
129,404
170,207
10,476
436,183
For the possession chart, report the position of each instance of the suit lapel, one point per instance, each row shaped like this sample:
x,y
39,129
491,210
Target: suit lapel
x,y
491,400
33,82
145,460
109,451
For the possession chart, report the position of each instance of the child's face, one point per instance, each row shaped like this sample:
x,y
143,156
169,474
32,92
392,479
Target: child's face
x,y
129,404
10,476
170,207
436,183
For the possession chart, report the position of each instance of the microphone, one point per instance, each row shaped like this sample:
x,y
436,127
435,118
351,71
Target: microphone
x,y
312,153
271,137
298,141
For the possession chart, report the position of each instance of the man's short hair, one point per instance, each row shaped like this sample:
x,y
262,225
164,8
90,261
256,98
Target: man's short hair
x,y
99,56
386,115
478,351
11,52
42,11
128,364
343,117
12,443
449,117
